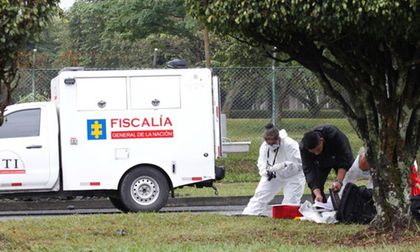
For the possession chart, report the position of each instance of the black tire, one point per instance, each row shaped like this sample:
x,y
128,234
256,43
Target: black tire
x,y
144,189
118,204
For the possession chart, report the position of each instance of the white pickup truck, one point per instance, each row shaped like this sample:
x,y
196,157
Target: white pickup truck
x,y
132,135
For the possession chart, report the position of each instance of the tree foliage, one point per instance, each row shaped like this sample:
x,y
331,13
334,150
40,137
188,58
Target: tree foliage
x,y
115,34
121,34
139,19
20,22
366,56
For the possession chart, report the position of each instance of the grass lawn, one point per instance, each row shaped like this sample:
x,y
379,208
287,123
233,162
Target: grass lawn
x,y
236,189
189,232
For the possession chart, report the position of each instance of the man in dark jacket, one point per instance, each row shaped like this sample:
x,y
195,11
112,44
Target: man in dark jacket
x,y
322,149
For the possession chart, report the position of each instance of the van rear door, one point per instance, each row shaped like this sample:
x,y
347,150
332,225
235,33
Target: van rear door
x,y
216,118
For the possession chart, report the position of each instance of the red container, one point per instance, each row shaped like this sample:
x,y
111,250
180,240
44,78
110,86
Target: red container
x,y
286,211
415,180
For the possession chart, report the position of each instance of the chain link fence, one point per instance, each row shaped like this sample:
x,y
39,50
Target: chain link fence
x,y
33,85
290,97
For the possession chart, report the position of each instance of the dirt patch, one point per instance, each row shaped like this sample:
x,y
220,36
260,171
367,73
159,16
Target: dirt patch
x,y
370,237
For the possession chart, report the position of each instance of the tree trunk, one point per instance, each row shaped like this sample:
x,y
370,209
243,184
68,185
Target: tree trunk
x,y
388,131
391,172
230,97
207,47
7,76
283,88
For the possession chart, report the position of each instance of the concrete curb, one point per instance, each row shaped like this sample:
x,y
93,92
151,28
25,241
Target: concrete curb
x,y
221,201
104,203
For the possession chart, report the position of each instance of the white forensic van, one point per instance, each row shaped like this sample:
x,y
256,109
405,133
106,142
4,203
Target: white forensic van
x,y
131,135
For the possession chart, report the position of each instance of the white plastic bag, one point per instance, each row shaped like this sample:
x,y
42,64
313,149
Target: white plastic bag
x,y
311,213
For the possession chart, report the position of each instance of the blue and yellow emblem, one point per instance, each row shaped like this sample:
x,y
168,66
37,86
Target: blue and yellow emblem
x,y
96,129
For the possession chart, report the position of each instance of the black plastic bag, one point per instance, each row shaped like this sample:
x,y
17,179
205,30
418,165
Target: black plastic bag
x,y
356,205
415,206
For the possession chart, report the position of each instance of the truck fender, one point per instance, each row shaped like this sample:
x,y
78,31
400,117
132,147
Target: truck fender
x,y
139,166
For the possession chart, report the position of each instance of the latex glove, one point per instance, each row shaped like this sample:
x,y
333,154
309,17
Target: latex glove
x,y
263,172
319,198
336,186
318,195
277,167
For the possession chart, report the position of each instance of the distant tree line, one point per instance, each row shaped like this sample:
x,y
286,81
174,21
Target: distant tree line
x,y
124,34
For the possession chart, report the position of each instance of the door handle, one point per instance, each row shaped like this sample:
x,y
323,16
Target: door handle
x,y
34,147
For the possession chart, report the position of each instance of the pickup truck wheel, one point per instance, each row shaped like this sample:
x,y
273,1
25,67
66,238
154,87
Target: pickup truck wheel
x,y
117,203
144,189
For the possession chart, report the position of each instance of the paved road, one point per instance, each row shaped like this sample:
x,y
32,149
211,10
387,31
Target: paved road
x,y
224,205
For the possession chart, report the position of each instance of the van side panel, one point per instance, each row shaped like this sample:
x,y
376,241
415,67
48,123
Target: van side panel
x,y
112,121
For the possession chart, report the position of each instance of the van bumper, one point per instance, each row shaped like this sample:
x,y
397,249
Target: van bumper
x,y
219,175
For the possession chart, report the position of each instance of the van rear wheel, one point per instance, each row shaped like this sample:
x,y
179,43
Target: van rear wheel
x,y
144,189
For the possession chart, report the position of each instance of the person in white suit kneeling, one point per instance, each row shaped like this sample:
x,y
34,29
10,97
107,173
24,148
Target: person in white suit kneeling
x,y
280,167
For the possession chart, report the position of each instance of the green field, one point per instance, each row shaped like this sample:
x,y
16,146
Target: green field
x,y
189,232
241,167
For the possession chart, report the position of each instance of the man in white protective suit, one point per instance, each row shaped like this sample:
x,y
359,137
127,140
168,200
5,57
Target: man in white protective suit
x,y
280,167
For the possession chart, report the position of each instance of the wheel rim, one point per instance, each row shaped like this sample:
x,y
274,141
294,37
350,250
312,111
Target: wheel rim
x,y
144,190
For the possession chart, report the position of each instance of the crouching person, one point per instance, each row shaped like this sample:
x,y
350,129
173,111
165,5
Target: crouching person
x,y
280,167
356,204
359,169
